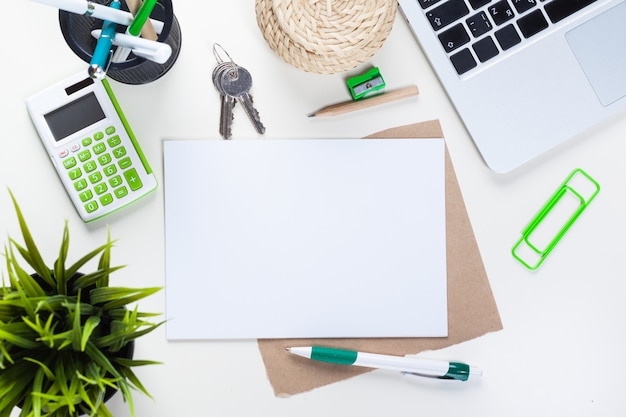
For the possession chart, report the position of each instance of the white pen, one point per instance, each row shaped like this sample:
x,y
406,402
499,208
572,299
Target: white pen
x,y
409,365
158,52
98,11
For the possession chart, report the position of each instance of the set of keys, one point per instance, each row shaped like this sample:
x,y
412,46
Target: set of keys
x,y
233,83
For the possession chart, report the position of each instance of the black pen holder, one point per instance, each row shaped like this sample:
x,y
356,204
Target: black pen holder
x,y
77,30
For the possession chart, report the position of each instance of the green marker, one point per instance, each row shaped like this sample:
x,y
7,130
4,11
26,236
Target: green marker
x,y
141,17
409,365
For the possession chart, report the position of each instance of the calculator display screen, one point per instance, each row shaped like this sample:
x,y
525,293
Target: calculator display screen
x,y
74,116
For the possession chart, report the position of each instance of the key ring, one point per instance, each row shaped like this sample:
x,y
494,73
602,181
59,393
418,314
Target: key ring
x,y
234,72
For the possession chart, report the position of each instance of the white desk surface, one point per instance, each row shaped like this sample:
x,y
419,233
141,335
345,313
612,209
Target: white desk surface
x,y
561,349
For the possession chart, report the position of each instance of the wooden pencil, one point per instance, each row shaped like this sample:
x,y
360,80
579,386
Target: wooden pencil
x,y
349,106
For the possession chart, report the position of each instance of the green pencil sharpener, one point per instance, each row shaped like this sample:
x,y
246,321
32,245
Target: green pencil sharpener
x,y
364,84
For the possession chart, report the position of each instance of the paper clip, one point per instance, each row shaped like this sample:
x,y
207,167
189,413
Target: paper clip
x,y
552,222
363,84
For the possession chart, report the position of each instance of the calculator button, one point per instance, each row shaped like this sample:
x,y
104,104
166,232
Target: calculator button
x,y
98,136
125,163
110,130
80,185
75,174
91,207
84,155
119,152
101,188
104,159
90,166
121,192
116,181
110,170
63,153
95,177
114,141
106,199
85,196
69,163
133,179
87,141
75,147
99,148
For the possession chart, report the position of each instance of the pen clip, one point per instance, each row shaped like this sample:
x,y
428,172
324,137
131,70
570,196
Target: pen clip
x,y
109,61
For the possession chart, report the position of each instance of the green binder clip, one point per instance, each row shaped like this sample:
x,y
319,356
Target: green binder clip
x,y
552,222
366,83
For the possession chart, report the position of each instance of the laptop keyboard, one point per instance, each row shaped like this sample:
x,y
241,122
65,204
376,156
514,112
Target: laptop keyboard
x,y
473,32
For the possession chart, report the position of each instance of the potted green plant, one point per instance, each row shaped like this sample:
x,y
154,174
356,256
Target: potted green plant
x,y
66,336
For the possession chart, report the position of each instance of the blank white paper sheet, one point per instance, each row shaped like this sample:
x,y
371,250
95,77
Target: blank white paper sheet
x,y
310,238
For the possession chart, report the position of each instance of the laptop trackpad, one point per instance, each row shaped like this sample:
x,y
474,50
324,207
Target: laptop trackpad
x,y
600,48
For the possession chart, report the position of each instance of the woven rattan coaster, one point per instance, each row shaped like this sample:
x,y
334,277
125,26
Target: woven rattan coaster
x,y
325,36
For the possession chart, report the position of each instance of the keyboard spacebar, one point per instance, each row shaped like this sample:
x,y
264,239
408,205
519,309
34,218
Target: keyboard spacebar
x,y
558,10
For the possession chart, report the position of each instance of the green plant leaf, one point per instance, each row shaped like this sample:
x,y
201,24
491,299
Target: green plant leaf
x,y
59,265
37,387
72,270
14,383
86,399
18,340
93,278
77,330
105,262
20,278
90,325
47,372
132,377
131,363
33,256
116,297
128,396
98,357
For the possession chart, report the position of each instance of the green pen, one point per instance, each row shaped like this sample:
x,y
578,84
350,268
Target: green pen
x,y
141,17
407,365
134,29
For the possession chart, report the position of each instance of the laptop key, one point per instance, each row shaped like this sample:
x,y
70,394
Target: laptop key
x,y
478,3
427,3
479,24
501,12
447,13
454,37
532,23
507,37
524,5
463,61
485,49
558,10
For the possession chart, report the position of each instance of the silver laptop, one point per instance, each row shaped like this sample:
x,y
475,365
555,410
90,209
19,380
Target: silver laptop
x,y
525,75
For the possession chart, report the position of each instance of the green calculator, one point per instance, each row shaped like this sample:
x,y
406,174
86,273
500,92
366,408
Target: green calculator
x,y
91,145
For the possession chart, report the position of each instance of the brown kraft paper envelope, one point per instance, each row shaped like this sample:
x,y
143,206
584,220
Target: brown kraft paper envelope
x,y
472,310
